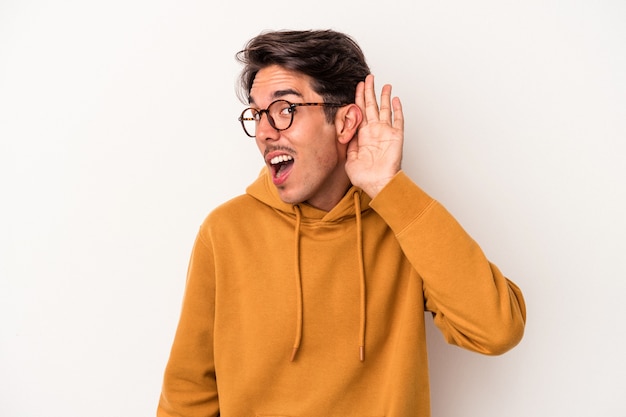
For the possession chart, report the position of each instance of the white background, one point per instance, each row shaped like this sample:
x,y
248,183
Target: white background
x,y
118,135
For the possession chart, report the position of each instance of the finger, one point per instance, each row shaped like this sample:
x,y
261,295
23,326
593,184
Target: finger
x,y
398,116
371,106
359,99
385,104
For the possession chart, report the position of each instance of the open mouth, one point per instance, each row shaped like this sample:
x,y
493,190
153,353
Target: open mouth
x,y
280,165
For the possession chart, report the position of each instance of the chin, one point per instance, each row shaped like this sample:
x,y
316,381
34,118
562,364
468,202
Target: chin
x,y
289,199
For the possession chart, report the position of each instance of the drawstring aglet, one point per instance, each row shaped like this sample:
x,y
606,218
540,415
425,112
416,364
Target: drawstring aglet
x,y
293,354
362,353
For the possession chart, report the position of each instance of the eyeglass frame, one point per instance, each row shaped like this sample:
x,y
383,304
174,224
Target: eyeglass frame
x,y
270,119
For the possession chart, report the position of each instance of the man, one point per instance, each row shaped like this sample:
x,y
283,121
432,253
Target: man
x,y
306,296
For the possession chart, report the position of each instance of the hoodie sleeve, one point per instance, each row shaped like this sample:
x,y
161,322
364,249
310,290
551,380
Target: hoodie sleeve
x,y
473,304
189,384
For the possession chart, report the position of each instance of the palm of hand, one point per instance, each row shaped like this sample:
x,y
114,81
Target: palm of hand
x,y
375,153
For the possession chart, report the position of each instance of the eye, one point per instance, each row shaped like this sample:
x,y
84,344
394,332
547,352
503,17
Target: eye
x,y
287,109
282,108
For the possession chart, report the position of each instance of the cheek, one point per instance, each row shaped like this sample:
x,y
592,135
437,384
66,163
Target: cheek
x,y
324,157
316,145
325,145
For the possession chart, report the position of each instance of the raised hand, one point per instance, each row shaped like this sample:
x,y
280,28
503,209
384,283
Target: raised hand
x,y
375,153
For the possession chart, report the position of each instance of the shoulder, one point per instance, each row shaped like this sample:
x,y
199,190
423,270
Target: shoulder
x,y
232,209
233,214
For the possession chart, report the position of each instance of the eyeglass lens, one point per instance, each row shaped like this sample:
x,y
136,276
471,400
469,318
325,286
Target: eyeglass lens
x,y
279,115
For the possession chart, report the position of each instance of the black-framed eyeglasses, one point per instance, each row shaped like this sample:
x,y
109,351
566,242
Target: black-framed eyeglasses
x,y
279,115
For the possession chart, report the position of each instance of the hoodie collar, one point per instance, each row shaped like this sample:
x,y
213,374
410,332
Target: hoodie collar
x,y
263,190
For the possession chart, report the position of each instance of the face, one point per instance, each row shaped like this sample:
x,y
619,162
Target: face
x,y
306,161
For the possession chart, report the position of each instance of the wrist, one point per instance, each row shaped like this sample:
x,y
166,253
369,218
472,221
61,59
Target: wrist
x,y
372,189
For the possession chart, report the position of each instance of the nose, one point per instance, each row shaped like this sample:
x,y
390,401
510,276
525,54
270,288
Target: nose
x,y
264,130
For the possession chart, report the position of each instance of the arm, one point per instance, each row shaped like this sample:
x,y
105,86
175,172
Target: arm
x,y
473,304
189,386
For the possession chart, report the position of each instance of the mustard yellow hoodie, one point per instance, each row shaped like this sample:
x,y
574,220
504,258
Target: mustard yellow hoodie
x,y
293,311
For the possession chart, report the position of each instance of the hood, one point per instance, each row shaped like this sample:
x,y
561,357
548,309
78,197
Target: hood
x,y
350,208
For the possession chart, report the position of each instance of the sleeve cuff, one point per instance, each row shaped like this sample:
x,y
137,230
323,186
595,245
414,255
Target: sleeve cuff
x,y
401,202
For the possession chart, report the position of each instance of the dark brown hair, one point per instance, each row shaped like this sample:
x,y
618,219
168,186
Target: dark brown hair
x,y
333,60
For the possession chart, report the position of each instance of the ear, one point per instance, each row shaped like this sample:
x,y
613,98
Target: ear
x,y
347,122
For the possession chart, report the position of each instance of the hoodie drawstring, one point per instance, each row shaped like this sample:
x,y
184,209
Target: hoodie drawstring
x,y
362,293
299,311
363,307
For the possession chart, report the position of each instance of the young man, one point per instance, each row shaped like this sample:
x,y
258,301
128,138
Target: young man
x,y
306,296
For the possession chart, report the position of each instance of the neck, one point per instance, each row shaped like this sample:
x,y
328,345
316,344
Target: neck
x,y
329,200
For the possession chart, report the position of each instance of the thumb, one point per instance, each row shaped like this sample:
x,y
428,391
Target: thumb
x,y
353,148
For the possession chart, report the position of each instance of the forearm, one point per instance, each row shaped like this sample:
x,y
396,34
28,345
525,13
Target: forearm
x,y
475,306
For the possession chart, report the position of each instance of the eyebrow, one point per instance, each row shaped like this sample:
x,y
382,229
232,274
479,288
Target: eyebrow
x,y
279,94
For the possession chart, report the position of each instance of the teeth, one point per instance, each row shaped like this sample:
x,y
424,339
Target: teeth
x,y
280,158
